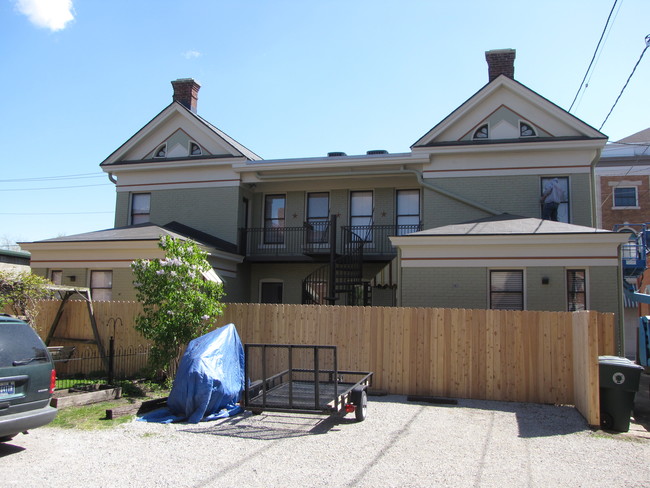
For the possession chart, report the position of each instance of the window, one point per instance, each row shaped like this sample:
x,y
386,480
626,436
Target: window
x,y
56,277
271,292
361,214
625,196
318,208
526,130
408,211
101,285
563,210
481,132
161,152
140,208
576,289
195,149
507,290
274,208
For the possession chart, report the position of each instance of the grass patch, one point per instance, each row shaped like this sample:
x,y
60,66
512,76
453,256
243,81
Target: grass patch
x,y
93,417
89,417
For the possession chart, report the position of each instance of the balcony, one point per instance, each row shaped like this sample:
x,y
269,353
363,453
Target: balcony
x,y
311,242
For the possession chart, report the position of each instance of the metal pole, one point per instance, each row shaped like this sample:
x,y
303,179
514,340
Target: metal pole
x,y
111,360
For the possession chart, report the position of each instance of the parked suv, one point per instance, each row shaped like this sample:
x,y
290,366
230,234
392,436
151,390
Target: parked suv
x,y
27,379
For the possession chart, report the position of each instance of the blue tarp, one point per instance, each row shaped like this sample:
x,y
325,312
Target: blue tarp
x,y
209,380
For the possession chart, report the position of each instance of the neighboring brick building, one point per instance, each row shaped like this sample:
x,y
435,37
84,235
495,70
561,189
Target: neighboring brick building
x,y
623,182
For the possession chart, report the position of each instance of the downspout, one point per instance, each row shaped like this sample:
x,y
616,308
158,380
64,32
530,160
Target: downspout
x,y
112,178
619,334
448,194
592,176
402,170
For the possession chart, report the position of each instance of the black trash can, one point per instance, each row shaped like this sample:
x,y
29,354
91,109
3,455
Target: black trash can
x,y
619,382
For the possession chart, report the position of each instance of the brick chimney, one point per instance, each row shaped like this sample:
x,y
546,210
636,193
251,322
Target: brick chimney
x,y
186,92
500,62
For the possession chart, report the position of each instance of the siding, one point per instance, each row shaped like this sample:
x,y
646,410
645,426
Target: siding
x,y
212,210
468,288
518,195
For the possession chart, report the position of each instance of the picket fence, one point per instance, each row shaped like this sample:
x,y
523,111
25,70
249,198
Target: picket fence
x,y
524,356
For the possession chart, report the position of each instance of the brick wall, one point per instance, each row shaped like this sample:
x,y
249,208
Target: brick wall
x,y
612,216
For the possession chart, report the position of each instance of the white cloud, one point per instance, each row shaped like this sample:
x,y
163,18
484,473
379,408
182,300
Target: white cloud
x,y
191,54
50,14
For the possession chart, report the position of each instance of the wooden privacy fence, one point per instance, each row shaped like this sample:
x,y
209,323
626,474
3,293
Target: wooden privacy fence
x,y
524,356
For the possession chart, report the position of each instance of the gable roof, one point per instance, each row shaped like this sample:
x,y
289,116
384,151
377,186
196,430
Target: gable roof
x,y
231,146
540,112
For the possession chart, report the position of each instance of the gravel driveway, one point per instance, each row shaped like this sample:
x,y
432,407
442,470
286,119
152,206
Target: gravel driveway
x,y
474,443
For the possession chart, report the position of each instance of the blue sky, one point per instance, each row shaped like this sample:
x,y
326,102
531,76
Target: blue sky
x,y
290,78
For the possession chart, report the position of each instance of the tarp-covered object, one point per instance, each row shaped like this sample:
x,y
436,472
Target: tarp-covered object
x,y
210,377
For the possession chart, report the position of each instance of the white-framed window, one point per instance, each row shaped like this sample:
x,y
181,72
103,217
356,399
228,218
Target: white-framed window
x,y
482,132
274,218
56,276
101,285
407,211
564,208
140,208
195,149
526,130
318,208
361,209
271,291
576,284
625,197
507,289
161,152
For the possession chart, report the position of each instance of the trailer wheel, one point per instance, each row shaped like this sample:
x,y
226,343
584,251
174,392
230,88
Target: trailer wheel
x,y
362,406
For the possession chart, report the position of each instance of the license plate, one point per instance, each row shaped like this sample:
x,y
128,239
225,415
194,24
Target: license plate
x,y
7,388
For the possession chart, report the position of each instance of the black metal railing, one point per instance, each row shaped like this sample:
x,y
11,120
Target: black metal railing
x,y
88,364
314,240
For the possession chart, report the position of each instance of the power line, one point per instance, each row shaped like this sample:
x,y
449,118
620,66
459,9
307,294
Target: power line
x,y
54,213
594,56
53,187
647,44
53,178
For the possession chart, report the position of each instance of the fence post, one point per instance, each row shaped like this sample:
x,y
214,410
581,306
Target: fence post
x,y
111,359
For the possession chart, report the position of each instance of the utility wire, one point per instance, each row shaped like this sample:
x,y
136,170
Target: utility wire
x,y
647,45
594,56
51,178
53,187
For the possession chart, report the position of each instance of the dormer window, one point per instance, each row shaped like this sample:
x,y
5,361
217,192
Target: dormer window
x,y
195,149
481,132
161,152
526,130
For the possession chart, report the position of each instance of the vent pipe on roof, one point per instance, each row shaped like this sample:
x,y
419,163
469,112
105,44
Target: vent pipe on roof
x,y
186,92
500,62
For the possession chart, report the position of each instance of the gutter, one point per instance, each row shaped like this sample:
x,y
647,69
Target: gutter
x,y
401,171
592,174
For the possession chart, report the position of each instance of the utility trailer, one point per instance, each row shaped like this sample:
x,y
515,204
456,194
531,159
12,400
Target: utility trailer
x,y
302,379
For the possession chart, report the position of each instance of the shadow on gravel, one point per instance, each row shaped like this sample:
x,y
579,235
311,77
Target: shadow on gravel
x,y
9,449
271,426
533,420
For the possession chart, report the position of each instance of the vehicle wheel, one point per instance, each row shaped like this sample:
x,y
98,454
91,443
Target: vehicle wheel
x,y
362,407
6,438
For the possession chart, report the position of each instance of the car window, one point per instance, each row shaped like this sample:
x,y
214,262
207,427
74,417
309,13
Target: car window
x,y
18,341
